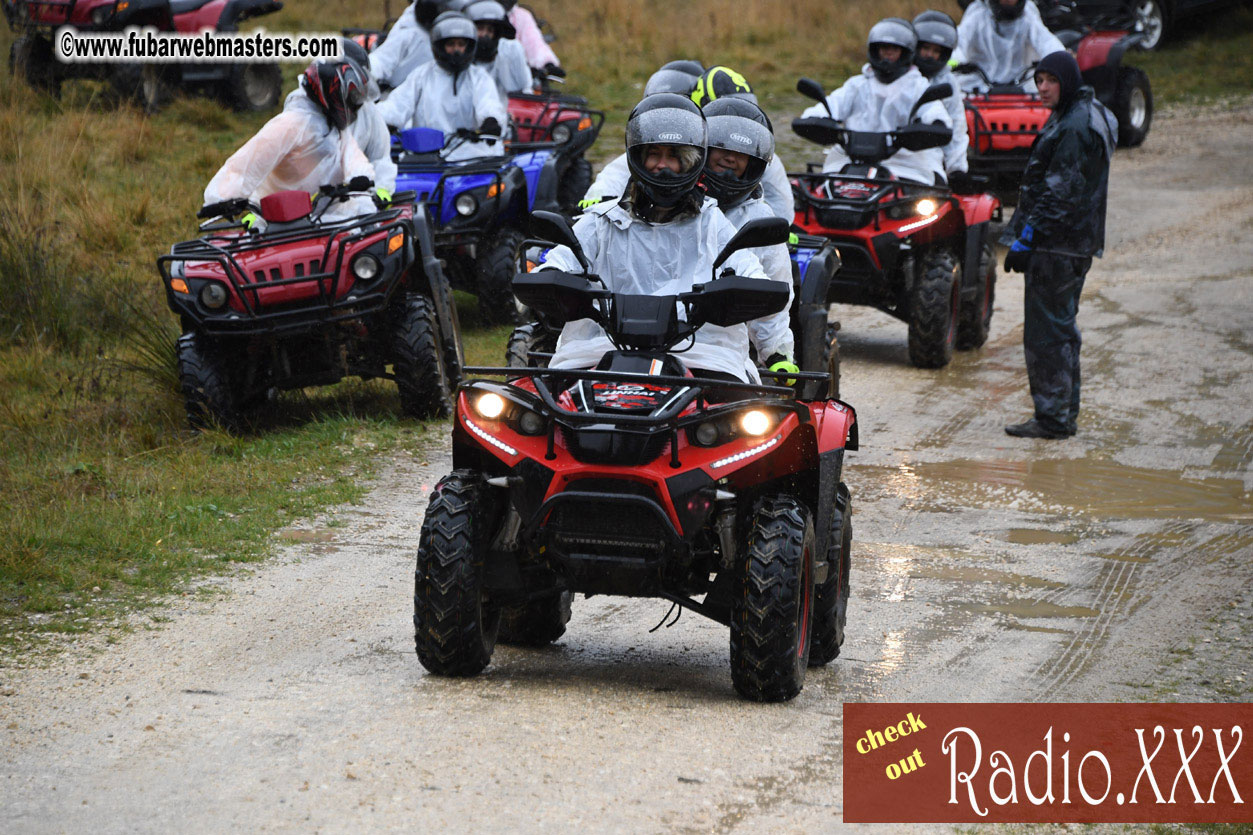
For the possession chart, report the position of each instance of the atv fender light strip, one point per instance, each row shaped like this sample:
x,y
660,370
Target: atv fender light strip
x,y
496,442
918,224
748,453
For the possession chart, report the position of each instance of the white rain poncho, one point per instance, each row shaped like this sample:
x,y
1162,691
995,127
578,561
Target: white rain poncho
x,y
433,98
770,334
955,150
612,181
372,137
296,150
1003,49
865,103
632,256
509,70
407,47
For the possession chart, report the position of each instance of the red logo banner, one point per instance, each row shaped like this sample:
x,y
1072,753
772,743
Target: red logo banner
x,y
1061,763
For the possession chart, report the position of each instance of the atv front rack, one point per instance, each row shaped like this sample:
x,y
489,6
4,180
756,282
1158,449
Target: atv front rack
x,y
224,252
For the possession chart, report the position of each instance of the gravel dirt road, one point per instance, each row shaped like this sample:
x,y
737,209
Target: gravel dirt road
x,y
1110,567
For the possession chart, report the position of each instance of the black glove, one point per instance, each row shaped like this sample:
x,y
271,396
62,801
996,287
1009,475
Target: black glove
x,y
465,133
490,125
960,182
553,69
1016,260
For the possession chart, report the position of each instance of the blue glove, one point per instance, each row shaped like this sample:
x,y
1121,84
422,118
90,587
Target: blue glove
x,y
1019,254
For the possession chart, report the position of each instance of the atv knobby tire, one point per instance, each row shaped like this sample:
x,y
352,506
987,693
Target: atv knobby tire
x,y
1133,105
537,622
454,629
831,596
975,318
933,310
574,184
532,336
253,87
773,602
31,58
418,361
208,395
495,268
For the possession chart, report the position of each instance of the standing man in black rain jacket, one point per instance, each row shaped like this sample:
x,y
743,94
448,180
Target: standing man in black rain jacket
x,y
1058,228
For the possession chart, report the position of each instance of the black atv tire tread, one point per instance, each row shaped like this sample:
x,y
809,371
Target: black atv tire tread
x,y
454,633
535,623
972,325
764,662
235,91
1128,79
931,311
418,361
831,596
526,338
831,360
574,184
207,394
495,269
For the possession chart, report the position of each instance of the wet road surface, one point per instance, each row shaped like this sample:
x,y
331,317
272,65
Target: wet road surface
x,y
985,568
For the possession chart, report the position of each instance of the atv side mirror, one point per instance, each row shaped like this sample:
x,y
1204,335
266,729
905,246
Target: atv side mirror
x,y
936,92
764,231
812,89
550,226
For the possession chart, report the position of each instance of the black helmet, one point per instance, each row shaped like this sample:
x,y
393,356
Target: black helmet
x,y
894,31
737,124
425,11
686,65
666,119
492,13
721,81
448,26
670,81
1001,12
935,28
338,88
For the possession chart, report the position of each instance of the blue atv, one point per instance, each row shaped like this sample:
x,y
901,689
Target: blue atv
x,y
478,208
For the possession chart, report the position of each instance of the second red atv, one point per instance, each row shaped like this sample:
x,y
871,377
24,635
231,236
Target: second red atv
x,y
245,86
638,479
920,253
309,301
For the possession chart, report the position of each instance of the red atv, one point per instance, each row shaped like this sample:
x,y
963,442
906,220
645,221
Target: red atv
x,y
310,301
246,86
920,253
1004,121
638,479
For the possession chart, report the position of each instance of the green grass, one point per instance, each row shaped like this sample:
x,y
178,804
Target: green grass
x,y
110,501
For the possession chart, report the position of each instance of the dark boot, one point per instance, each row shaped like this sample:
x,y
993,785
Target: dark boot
x,y
1034,429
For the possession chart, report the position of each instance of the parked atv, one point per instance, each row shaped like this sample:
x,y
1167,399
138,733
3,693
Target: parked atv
x,y
245,86
638,479
310,301
920,253
1004,122
479,207
565,125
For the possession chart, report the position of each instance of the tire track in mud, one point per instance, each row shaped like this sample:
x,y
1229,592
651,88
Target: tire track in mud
x,y
1115,599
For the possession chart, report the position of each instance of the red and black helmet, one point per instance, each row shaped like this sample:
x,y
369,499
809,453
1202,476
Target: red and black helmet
x,y
338,88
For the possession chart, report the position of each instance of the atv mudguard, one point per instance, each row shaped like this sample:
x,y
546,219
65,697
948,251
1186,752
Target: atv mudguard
x,y
437,286
1100,58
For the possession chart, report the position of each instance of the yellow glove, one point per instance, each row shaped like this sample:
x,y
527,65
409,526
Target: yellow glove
x,y
249,220
588,202
384,194
780,364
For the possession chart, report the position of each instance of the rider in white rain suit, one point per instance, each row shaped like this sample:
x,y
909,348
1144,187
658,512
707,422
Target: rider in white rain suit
x,y
661,238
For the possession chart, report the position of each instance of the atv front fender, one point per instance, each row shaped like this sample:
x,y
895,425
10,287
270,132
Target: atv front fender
x,y
237,11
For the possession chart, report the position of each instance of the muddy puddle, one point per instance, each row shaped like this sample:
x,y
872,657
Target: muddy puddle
x,y
1096,488
1034,536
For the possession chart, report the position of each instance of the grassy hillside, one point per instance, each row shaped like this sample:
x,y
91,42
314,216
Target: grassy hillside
x,y
109,499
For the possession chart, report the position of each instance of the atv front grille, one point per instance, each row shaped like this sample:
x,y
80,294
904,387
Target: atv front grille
x,y
844,218
600,527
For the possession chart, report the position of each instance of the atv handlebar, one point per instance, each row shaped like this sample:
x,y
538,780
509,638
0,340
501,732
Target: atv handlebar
x,y
225,208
